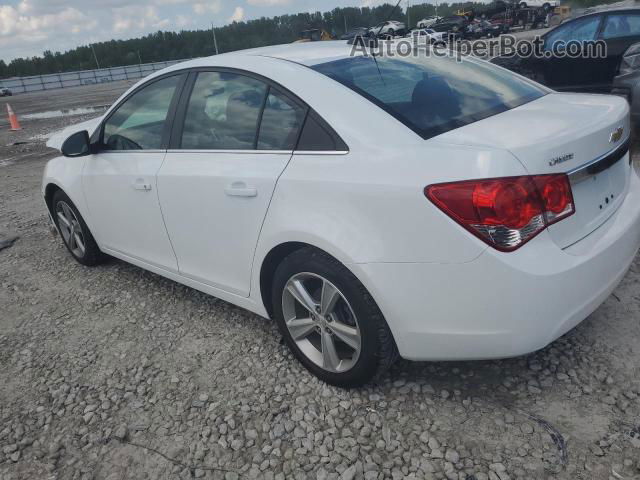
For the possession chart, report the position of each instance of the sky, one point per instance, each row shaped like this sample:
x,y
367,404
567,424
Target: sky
x,y
29,27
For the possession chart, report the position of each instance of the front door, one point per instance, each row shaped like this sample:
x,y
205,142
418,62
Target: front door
x,y
233,139
119,181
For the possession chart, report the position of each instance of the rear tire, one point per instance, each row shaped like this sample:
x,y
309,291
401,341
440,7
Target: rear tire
x,y
354,329
74,231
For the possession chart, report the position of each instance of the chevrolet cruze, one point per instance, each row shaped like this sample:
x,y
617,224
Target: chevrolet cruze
x,y
373,206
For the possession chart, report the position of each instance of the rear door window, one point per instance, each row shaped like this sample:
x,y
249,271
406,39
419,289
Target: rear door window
x,y
580,30
281,122
223,112
623,25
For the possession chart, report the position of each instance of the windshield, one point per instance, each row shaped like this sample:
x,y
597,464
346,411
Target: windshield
x,y
432,95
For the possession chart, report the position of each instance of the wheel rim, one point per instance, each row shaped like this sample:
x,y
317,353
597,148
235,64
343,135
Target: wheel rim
x,y
70,229
321,322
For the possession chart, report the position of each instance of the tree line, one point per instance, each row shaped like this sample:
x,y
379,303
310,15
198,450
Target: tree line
x,y
161,45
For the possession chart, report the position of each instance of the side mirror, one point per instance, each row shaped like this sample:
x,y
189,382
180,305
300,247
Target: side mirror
x,y
77,145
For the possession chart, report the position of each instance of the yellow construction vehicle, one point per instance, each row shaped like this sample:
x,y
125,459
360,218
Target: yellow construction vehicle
x,y
313,35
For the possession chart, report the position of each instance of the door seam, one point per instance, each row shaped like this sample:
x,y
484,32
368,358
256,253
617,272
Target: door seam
x,y
157,174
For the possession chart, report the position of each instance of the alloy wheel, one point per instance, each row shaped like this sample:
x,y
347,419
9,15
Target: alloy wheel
x,y
70,229
321,322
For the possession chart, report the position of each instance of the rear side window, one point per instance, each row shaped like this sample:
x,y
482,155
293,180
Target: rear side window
x,y
317,136
223,112
280,124
432,95
623,25
138,124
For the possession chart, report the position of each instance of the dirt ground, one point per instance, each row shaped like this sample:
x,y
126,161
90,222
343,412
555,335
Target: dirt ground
x,y
116,373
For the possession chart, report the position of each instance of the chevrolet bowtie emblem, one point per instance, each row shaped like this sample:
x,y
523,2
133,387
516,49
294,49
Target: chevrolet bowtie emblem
x,y
616,135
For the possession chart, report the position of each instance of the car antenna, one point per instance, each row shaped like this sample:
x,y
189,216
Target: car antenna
x,y
393,10
373,42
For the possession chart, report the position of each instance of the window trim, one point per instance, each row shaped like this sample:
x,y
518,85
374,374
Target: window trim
x,y
164,142
177,129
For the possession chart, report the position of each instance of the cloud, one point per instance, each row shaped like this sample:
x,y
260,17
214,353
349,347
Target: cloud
x,y
238,15
268,3
208,7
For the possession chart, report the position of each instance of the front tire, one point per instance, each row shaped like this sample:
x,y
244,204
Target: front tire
x,y
329,320
74,231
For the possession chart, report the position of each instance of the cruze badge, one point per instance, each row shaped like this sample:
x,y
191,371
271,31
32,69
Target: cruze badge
x,y
561,159
616,135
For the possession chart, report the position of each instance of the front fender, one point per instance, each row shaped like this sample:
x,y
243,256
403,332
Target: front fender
x,y
66,174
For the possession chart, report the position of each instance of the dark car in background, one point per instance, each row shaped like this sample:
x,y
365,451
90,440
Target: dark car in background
x,y
454,24
618,73
485,28
355,32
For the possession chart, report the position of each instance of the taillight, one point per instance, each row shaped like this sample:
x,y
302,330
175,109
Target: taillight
x,y
505,212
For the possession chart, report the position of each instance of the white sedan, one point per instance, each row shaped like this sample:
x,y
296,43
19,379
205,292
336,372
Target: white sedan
x,y
435,209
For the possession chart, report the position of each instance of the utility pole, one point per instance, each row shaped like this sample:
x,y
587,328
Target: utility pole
x,y
95,57
215,42
139,57
408,14
345,24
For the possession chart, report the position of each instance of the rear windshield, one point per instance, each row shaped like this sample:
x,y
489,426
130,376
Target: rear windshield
x,y
432,95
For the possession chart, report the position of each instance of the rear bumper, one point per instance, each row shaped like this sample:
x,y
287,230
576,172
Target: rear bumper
x,y
504,304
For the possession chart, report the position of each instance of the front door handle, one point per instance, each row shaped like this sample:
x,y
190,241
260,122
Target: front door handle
x,y
140,184
240,189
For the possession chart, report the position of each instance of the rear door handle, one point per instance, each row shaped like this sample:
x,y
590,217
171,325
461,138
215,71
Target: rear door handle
x,y
240,189
140,184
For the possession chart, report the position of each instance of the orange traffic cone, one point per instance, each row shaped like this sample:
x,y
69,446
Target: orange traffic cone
x,y
13,119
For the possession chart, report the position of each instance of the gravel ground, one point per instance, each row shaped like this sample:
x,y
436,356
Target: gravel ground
x,y
114,373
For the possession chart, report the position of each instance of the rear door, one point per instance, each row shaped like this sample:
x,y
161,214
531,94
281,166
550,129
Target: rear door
x,y
620,30
234,136
574,73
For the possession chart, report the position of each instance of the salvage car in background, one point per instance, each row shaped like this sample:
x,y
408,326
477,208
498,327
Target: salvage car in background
x,y
427,22
427,35
425,230
485,28
355,32
454,24
5,92
389,28
618,73
545,4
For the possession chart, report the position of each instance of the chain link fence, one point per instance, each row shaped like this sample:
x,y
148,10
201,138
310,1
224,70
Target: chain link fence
x,y
85,77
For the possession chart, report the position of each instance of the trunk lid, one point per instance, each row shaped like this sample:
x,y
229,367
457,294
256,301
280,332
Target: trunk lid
x,y
565,133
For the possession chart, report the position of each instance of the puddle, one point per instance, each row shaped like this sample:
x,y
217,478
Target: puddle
x,y
65,112
8,161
